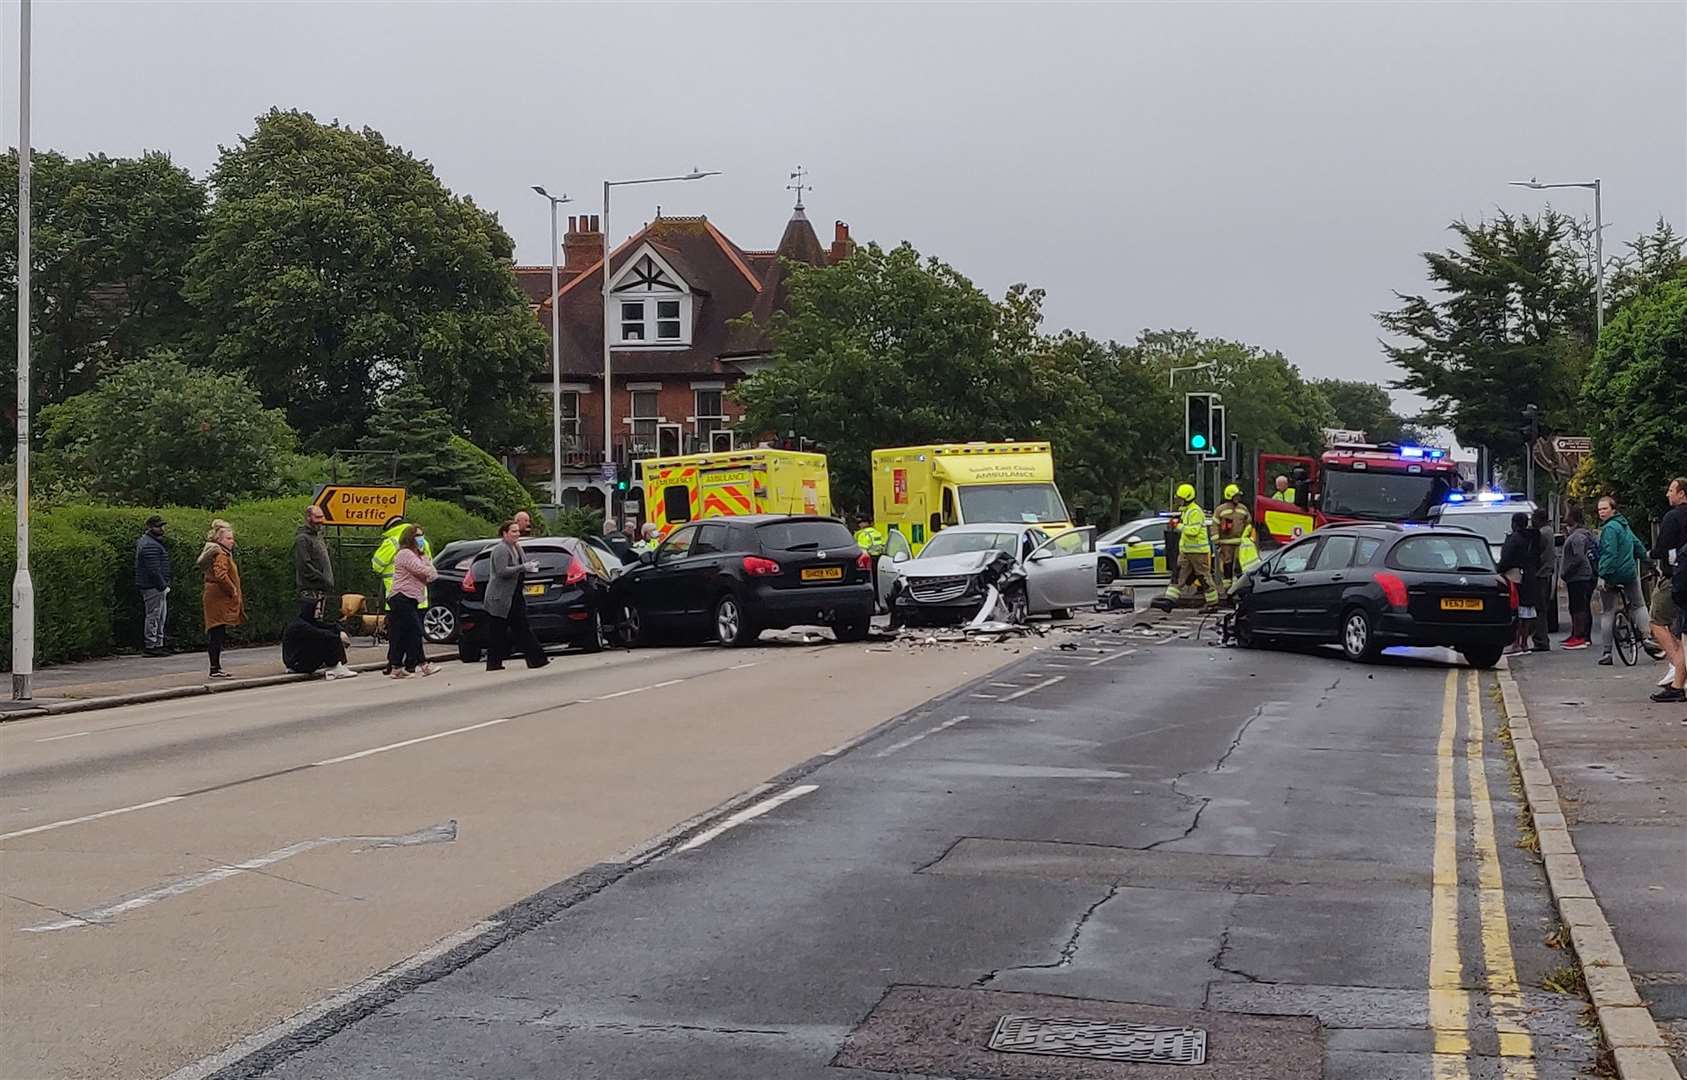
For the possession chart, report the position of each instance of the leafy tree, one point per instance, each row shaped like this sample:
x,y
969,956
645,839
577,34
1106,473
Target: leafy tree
x,y
1514,329
1267,402
337,266
1363,406
110,240
410,442
1652,258
1632,395
888,349
158,432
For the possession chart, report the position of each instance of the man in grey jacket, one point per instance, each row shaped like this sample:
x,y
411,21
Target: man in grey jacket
x,y
1579,567
152,578
506,605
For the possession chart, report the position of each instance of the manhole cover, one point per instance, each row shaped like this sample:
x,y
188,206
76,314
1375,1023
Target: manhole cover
x,y
1100,1039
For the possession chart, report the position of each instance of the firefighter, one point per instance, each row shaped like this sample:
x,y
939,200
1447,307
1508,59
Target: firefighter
x,y
1194,550
1231,521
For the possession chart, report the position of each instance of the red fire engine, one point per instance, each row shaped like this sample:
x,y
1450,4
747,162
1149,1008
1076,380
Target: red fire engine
x,y
1350,482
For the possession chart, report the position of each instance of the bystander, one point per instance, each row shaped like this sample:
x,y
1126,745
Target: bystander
x,y
1667,608
1579,569
152,578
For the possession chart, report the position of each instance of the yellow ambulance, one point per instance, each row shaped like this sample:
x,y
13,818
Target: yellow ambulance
x,y
920,490
759,481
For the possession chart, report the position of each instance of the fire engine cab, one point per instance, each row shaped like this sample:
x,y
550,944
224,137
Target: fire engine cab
x,y
1350,482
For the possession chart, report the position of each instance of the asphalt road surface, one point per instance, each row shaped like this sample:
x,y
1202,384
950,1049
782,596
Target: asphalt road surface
x,y
1313,862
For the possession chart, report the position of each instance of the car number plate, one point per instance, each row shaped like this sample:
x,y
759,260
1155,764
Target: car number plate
x,y
823,573
534,590
1454,603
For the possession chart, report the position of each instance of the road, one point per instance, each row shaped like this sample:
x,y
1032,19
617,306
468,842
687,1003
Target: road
x,y
1315,862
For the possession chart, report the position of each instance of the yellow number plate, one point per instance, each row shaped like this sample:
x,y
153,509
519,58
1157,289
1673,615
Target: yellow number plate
x,y
1457,604
823,573
534,590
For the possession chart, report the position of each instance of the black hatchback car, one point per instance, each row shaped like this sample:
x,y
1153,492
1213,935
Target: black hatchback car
x,y
733,577
568,599
1367,587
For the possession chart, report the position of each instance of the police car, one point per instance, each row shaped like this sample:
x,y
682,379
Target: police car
x,y
1488,514
1135,551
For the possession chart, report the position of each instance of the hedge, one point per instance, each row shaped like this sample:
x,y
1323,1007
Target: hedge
x,y
83,565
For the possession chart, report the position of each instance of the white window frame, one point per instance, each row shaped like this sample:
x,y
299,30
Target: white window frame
x,y
717,421
624,289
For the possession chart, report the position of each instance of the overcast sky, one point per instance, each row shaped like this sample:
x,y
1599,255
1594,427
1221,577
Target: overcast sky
x,y
1262,171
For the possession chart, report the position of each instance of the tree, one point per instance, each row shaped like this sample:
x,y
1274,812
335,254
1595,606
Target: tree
x,y
410,442
1515,329
110,240
1363,406
1652,258
337,266
1268,405
889,349
157,432
1632,395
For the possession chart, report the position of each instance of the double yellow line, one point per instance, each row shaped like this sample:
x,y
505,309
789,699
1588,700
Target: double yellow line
x,y
1449,998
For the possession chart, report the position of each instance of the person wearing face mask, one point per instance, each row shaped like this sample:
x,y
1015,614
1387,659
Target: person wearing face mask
x,y
506,603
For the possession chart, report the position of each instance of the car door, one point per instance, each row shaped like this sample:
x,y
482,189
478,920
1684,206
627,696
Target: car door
x,y
701,572
1276,600
1324,582
889,565
1060,572
660,591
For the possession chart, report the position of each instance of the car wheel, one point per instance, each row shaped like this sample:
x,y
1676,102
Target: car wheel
x,y
631,627
732,624
1018,608
851,630
1106,572
1358,640
1060,614
1484,657
592,641
1245,632
439,624
469,654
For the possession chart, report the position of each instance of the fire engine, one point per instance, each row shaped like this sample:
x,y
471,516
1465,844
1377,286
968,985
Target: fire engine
x,y
1351,482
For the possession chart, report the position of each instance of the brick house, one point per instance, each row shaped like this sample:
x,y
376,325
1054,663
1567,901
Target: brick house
x,y
676,287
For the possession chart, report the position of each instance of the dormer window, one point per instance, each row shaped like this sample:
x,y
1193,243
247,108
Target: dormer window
x,y
652,303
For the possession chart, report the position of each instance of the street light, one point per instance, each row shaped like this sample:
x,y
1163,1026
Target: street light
x,y
556,355
1598,245
608,396
23,588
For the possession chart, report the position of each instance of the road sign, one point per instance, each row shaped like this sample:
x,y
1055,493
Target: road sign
x,y
1572,444
364,507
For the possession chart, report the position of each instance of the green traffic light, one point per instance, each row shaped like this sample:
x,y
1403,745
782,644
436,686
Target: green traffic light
x,y
1199,442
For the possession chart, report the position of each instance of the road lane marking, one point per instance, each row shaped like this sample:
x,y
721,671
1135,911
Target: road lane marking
x,y
1006,685
1449,1003
912,739
103,915
986,697
1114,656
72,735
408,742
1499,965
747,814
90,817
1044,685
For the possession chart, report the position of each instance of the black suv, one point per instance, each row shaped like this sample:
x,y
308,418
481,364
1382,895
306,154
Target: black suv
x,y
733,577
1366,587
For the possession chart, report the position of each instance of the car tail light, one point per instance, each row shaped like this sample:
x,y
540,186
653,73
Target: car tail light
x,y
1516,600
576,572
864,561
756,566
1393,590
468,580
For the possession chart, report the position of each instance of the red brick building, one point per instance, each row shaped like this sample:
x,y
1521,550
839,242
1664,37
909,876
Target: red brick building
x,y
676,288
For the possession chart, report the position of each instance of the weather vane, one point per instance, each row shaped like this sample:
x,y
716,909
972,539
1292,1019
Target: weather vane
x,y
799,187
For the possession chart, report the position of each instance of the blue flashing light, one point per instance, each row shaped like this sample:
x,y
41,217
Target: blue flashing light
x,y
1456,496
1491,496
1411,451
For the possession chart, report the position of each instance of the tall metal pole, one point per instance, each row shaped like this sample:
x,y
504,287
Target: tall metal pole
x,y
1598,267
23,588
608,394
556,370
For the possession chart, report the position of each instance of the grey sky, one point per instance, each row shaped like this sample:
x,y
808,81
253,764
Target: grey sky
x,y
1267,172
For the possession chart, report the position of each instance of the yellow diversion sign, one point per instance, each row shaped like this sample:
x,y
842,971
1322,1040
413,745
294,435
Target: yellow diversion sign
x,y
368,507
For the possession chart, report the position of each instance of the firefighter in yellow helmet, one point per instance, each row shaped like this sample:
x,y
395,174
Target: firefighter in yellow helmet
x,y
1232,520
1194,551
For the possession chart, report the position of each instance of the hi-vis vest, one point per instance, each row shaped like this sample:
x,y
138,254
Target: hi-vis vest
x,y
1192,531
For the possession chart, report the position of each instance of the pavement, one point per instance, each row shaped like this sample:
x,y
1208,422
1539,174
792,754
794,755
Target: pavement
x,y
1619,762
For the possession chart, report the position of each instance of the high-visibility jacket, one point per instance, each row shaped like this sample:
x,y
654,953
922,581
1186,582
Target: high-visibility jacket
x,y
1233,520
870,540
1247,555
1192,531
386,553
1287,495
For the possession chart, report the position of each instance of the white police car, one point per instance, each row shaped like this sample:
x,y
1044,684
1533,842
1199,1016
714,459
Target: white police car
x,y
1135,550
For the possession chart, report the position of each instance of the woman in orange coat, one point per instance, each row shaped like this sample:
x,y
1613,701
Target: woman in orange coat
x,y
224,604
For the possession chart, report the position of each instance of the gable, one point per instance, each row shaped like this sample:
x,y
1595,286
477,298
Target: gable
x,y
647,273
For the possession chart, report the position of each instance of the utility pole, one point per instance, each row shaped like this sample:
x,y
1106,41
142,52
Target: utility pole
x,y
23,588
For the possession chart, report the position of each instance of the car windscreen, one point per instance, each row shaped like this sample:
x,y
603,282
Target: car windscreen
x,y
1491,526
804,536
1442,554
958,543
1012,502
1382,496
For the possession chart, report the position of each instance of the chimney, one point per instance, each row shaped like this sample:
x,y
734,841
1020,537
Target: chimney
x,y
582,245
842,245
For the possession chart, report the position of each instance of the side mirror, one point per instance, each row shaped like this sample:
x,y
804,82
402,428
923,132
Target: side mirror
x,y
1133,539
936,524
899,557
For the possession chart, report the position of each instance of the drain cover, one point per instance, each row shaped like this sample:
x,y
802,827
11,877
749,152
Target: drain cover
x,y
1100,1039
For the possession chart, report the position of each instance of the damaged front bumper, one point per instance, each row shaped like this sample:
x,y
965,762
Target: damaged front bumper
x,y
938,602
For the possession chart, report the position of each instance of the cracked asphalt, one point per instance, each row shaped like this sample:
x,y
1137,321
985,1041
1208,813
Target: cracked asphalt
x,y
1315,862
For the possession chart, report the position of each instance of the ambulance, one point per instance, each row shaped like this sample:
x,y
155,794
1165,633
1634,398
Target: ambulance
x,y
759,481
920,490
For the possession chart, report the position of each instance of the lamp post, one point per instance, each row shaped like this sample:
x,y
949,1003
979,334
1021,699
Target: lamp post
x,y
1598,245
608,395
556,355
23,588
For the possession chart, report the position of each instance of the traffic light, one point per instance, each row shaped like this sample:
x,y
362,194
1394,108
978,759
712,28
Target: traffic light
x,y
1216,449
1198,424
623,477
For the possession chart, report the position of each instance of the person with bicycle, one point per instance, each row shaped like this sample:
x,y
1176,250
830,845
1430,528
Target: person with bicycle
x,y
1668,622
1620,552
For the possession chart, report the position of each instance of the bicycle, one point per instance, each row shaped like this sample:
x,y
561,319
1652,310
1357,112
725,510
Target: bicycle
x,y
1625,635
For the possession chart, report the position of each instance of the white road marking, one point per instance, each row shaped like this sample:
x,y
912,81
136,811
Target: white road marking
x,y
1006,685
407,742
903,744
72,735
741,667
102,915
1113,656
747,814
90,817
986,697
209,1066
1044,685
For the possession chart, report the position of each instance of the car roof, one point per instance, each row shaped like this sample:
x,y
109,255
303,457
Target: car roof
x,y
990,527
1508,506
761,519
